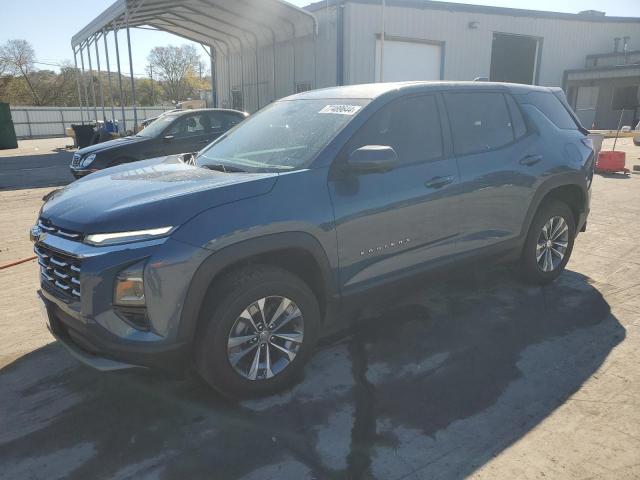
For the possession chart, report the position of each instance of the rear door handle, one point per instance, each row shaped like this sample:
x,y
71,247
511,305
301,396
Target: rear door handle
x,y
530,160
439,182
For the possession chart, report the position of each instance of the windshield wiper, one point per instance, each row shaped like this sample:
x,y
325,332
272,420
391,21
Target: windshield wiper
x,y
222,168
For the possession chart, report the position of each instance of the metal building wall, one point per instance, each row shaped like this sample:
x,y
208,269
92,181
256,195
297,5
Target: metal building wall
x,y
467,50
314,64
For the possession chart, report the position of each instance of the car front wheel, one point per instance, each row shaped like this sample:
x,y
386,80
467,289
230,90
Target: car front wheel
x,y
261,324
549,243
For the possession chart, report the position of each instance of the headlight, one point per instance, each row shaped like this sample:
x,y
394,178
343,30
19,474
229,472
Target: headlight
x,y
126,237
86,161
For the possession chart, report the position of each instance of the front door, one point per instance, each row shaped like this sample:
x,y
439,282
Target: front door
x,y
189,133
389,223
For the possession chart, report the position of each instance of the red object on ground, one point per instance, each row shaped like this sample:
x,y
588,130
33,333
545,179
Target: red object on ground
x,y
610,162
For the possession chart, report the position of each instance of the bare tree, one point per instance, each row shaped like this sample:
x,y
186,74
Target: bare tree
x,y
18,58
176,67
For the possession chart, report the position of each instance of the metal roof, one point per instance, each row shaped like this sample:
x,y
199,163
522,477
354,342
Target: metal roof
x,y
469,8
231,22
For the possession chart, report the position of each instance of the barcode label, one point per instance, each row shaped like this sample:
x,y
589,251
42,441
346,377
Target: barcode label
x,y
341,109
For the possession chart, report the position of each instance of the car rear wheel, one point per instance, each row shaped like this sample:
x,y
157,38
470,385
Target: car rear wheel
x,y
260,326
549,243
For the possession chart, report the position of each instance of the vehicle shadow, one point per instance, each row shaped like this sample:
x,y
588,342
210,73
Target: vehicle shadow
x,y
48,169
432,385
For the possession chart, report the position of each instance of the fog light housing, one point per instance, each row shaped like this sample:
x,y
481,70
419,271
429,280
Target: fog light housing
x,y
128,290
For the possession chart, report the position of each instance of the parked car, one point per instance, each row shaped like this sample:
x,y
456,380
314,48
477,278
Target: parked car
x,y
237,263
173,133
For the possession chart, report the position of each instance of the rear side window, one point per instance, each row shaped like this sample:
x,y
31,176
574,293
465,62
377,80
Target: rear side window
x,y
552,108
224,120
519,127
480,121
410,125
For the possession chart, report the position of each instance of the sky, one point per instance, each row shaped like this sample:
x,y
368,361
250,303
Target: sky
x,y
50,33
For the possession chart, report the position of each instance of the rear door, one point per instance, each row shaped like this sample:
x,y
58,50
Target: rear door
x,y
498,160
389,223
220,122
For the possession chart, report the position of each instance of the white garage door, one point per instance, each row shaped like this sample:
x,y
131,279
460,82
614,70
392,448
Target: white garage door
x,y
409,61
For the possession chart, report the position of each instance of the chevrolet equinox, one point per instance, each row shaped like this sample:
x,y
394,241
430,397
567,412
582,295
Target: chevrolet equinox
x,y
234,260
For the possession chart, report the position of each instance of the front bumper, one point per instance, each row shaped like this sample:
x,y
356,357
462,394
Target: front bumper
x,y
97,348
80,172
89,326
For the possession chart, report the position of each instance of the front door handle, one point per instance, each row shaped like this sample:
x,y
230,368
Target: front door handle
x,y
439,182
530,160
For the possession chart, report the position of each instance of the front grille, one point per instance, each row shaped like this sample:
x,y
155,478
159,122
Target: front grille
x,y
75,161
53,230
59,271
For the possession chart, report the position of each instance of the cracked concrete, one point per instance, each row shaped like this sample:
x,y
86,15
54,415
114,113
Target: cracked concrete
x,y
469,375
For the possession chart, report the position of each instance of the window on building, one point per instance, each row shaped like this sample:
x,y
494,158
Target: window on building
x,y
411,126
237,100
480,121
625,97
303,87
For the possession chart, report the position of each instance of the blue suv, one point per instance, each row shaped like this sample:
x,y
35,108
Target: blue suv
x,y
234,261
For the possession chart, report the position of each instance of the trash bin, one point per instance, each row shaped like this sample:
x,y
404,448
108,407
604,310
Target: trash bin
x,y
7,131
84,134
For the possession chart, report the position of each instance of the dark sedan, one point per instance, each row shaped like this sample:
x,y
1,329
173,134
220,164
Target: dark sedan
x,y
173,133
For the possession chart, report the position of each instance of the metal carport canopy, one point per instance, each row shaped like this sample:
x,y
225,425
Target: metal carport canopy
x,y
232,24
207,21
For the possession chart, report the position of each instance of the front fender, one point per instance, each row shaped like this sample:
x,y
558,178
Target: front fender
x,y
221,259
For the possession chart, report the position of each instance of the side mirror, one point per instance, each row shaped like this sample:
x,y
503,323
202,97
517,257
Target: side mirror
x,y
371,159
168,138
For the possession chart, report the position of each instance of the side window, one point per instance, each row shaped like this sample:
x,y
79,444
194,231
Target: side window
x,y
552,108
224,120
479,120
190,125
519,127
411,126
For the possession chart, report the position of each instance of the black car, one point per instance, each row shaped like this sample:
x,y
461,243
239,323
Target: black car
x,y
173,133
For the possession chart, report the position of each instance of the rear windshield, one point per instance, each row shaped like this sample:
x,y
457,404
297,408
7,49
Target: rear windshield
x,y
285,135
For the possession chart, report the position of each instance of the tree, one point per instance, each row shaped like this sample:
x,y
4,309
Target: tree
x,y
17,57
176,67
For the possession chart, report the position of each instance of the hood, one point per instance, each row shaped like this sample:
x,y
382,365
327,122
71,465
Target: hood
x,y
156,193
111,144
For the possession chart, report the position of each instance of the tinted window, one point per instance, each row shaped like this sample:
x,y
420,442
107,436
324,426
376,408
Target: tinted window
x,y
224,120
519,127
189,125
552,108
480,121
411,126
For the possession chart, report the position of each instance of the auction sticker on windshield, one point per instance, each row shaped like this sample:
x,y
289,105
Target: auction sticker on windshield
x,y
341,109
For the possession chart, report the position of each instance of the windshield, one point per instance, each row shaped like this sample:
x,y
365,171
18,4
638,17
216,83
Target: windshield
x,y
156,127
284,136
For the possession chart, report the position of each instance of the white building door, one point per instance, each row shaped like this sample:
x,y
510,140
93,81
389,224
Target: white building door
x,y
406,60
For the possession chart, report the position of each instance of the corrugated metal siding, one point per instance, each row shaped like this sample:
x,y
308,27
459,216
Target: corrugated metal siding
x,y
468,51
313,63
33,122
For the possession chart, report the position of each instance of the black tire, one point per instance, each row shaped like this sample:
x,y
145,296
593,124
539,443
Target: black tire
x,y
530,269
226,301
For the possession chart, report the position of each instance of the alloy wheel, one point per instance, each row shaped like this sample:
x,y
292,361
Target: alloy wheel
x,y
266,337
552,244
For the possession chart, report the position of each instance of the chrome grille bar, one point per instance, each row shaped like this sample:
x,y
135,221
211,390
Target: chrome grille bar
x,y
59,271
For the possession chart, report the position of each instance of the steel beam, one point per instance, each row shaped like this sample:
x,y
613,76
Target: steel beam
x,y
93,87
133,82
100,88
106,54
124,119
75,62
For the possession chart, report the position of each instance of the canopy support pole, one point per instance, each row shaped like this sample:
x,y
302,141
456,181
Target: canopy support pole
x,y
133,82
106,53
124,119
257,77
213,58
75,62
100,88
93,87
